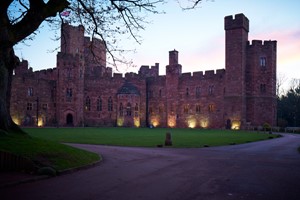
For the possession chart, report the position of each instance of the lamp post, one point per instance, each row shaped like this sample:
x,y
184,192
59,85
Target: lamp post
x,y
37,111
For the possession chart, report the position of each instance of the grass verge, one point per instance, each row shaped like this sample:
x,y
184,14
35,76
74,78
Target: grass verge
x,y
47,152
145,137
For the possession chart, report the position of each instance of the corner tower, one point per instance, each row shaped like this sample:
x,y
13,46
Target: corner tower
x,y
236,38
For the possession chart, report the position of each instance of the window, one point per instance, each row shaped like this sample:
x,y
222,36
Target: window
x,y
45,106
160,93
136,110
110,104
160,109
128,109
187,93
99,104
30,92
150,110
29,106
210,89
186,109
69,73
121,109
211,108
69,94
198,109
87,104
262,62
198,91
263,88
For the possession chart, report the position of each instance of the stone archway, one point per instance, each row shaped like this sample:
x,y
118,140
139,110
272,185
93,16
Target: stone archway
x,y
69,119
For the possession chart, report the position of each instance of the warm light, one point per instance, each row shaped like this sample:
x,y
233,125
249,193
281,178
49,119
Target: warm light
x,y
120,121
154,121
204,123
191,122
40,122
172,121
16,120
136,122
236,124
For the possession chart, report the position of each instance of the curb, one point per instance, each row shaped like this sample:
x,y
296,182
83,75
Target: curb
x,y
59,173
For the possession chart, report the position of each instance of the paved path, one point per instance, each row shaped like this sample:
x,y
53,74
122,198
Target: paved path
x,y
262,170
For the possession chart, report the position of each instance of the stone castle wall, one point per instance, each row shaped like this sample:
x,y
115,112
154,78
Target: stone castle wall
x,y
83,91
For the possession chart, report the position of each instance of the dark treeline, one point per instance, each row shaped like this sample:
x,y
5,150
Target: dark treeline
x,y
288,107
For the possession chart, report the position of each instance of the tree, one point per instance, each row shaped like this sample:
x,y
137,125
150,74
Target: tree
x,y
20,19
289,105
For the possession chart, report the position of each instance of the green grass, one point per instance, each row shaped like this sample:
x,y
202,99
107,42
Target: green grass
x,y
47,153
145,137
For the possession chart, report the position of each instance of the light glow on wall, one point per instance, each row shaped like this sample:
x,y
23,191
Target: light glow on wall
x,y
16,120
172,121
40,122
137,122
155,121
236,124
204,123
120,121
191,122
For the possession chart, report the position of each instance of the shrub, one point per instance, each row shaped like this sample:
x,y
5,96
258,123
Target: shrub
x,y
49,171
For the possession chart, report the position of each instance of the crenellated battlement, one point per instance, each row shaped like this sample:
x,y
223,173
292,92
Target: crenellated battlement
x,y
239,21
208,74
147,71
261,43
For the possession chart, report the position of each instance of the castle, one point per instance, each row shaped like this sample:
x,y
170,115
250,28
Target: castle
x,y
82,91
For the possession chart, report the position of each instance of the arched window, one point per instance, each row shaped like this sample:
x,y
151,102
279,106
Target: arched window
x,y
211,108
99,104
186,109
87,103
110,104
128,109
136,110
198,108
121,109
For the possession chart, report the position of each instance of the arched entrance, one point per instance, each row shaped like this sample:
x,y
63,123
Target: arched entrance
x,y
69,119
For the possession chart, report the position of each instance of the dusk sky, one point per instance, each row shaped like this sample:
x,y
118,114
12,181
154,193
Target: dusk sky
x,y
198,35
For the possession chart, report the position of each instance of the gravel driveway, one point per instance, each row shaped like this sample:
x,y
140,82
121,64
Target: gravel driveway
x,y
261,170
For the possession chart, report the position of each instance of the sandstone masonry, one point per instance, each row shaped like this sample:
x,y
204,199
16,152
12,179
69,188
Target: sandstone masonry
x,y
82,91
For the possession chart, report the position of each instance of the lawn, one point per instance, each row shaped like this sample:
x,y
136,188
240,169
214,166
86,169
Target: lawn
x,y
145,137
46,152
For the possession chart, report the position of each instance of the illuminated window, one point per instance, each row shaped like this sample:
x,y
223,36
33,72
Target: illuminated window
x,y
87,104
128,109
99,104
29,106
110,104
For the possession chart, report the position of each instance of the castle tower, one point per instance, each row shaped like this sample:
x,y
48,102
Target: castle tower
x,y
261,83
236,38
70,84
173,72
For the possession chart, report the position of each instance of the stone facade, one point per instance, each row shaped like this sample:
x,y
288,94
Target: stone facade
x,y
82,91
